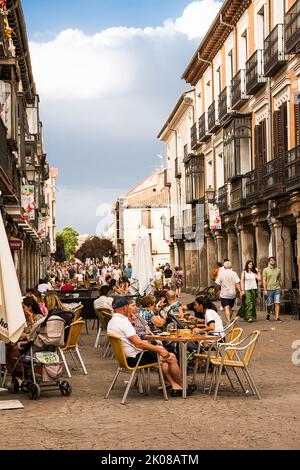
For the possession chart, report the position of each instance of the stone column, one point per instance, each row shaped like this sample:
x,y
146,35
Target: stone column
x,y
211,258
221,243
284,252
262,238
298,249
188,266
247,245
233,249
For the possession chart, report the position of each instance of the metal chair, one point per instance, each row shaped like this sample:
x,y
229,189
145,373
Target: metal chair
x,y
104,315
77,312
236,356
119,353
232,337
72,346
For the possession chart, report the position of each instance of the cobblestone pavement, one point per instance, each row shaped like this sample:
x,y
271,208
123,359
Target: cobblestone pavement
x,y
235,421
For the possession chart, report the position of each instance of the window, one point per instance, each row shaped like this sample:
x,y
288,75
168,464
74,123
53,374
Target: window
x,y
229,68
194,177
146,218
237,147
220,171
244,49
260,28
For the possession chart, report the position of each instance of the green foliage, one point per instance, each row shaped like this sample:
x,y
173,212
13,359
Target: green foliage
x,y
95,247
70,238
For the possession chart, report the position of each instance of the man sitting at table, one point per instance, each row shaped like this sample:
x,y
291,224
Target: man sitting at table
x,y
174,306
133,347
104,301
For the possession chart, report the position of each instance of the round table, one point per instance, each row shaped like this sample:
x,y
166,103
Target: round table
x,y
182,341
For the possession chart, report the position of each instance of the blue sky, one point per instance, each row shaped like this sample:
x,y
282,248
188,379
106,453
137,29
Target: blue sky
x,y
108,75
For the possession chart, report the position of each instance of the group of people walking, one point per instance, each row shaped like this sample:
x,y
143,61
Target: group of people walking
x,y
228,283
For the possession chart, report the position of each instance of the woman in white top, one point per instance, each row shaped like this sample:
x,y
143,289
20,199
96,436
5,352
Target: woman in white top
x,y
213,322
249,279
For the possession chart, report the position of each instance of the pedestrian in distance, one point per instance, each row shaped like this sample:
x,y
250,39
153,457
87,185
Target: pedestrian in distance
x,y
273,285
249,283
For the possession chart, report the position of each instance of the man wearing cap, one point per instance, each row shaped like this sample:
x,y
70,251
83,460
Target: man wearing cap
x,y
133,347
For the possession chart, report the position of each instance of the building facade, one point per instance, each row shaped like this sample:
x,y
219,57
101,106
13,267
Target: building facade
x,y
145,205
23,164
242,155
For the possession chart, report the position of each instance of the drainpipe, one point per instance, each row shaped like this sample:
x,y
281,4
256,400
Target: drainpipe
x,y
238,234
283,244
270,112
271,225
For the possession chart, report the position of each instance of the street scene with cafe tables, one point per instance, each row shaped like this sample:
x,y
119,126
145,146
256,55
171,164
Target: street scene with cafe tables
x,y
149,229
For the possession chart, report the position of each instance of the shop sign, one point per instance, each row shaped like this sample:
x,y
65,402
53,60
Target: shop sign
x,y
214,217
15,244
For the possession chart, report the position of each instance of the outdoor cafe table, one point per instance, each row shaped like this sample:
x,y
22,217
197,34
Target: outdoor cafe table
x,y
182,341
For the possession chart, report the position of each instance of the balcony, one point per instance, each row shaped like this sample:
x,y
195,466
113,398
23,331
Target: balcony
x,y
224,105
9,175
238,193
177,168
203,135
167,179
255,78
194,137
252,187
292,29
238,89
176,229
292,168
223,199
212,117
274,51
273,184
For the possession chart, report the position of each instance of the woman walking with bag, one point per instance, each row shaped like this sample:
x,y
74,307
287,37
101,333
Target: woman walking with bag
x,y
249,280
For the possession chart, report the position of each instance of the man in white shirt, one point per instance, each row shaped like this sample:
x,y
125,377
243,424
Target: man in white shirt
x,y
104,301
229,282
133,346
44,286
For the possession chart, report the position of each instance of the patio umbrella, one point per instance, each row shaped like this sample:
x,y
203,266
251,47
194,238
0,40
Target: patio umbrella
x,y
12,318
142,267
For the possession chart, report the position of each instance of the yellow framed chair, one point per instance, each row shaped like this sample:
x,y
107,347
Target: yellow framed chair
x,y
204,357
235,356
72,346
104,315
137,371
78,312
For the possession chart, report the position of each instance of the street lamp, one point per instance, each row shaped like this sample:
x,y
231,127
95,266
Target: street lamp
x,y
31,173
210,195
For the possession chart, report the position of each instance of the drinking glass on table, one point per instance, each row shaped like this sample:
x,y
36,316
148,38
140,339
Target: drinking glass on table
x,y
172,328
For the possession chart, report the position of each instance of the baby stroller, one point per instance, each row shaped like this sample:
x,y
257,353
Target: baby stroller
x,y
39,357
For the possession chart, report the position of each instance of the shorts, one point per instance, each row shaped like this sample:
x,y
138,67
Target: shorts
x,y
227,302
273,297
149,357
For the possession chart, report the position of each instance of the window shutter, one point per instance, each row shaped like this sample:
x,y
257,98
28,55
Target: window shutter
x,y
260,149
297,124
280,139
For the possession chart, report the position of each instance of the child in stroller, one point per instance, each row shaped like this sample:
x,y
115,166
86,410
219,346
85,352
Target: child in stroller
x,y
42,368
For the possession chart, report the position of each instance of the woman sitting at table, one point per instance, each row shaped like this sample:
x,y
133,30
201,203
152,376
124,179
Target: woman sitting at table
x,y
53,303
148,312
213,322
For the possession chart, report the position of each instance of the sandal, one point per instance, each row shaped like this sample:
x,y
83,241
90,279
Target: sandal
x,y
160,389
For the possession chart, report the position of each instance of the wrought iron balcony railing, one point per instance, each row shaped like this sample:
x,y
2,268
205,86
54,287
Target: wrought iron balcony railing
x,y
194,136
252,187
167,179
255,78
212,117
224,108
238,193
273,184
292,29
274,51
223,198
238,89
292,168
202,128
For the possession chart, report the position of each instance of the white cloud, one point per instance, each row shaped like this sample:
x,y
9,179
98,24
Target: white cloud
x,y
197,18
104,97
78,66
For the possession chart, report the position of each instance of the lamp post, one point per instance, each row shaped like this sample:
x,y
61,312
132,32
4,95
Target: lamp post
x,y
210,195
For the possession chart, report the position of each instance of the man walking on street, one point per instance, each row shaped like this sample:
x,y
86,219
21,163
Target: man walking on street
x,y
272,284
229,282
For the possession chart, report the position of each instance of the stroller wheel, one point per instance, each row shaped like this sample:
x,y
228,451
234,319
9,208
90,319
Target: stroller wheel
x,y
65,388
15,387
34,391
25,386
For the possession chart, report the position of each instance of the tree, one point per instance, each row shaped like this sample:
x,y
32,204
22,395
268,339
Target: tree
x,y
95,247
60,254
70,238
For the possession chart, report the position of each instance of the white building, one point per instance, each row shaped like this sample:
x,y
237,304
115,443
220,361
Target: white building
x,y
145,205
50,198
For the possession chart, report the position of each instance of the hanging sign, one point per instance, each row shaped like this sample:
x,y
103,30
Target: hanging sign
x,y
214,217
